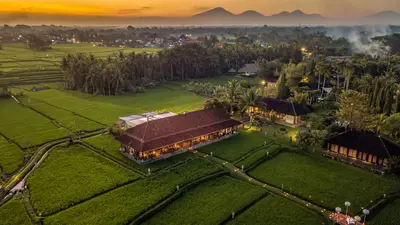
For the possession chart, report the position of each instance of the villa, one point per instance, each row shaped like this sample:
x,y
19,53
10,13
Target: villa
x,y
362,148
248,70
286,112
163,137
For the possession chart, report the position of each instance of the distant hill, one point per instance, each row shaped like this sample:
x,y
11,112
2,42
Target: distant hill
x,y
251,13
217,12
220,15
384,17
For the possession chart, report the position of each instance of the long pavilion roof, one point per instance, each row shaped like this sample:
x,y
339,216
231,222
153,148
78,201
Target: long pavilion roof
x,y
366,142
162,132
285,107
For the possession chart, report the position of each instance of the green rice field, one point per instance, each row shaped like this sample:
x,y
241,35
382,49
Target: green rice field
x,y
324,181
233,148
256,156
25,66
13,212
66,118
389,215
73,174
273,210
124,204
25,126
11,156
209,203
108,109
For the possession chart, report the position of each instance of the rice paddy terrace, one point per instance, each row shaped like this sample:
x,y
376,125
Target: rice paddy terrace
x,y
24,66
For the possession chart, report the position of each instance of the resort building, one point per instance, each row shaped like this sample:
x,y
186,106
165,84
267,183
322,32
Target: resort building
x,y
286,112
362,148
248,70
134,120
161,138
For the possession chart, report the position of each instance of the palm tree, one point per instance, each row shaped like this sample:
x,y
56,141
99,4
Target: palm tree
x,y
232,93
348,73
249,98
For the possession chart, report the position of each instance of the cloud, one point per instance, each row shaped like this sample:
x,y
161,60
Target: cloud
x,y
133,11
201,8
23,13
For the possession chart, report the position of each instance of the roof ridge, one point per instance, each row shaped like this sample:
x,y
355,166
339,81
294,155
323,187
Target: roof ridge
x,y
383,143
337,134
193,128
294,110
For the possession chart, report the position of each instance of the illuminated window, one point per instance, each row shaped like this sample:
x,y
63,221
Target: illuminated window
x,y
334,148
364,156
352,153
343,150
374,158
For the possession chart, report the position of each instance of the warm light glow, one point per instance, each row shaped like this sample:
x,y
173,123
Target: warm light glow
x,y
263,82
178,8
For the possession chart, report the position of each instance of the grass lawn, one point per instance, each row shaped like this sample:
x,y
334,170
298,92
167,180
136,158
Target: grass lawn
x,y
324,181
274,210
13,212
107,110
11,156
209,203
124,204
281,134
253,158
237,146
388,215
110,146
72,174
25,126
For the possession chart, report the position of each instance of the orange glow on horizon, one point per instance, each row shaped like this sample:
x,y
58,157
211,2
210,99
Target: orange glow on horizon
x,y
180,8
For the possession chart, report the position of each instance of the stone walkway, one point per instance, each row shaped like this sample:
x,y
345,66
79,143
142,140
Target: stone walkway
x,y
242,175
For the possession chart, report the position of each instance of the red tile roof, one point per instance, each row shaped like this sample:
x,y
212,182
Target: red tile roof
x,y
167,131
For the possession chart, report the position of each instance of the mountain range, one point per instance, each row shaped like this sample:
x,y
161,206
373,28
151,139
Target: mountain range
x,y
223,17
214,17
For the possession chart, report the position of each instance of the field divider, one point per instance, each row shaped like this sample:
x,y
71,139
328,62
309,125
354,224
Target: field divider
x,y
380,204
93,196
246,207
298,198
23,172
265,158
237,173
74,113
253,150
172,197
103,154
29,208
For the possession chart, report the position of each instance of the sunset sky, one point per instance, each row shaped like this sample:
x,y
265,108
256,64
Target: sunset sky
x,y
180,8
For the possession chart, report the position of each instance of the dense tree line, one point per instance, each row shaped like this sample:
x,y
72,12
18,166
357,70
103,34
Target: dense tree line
x,y
123,72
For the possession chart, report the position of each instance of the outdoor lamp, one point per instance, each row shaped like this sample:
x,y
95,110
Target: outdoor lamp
x,y
365,212
347,204
338,210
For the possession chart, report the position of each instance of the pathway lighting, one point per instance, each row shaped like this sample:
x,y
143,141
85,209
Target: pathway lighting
x,y
347,204
365,212
338,210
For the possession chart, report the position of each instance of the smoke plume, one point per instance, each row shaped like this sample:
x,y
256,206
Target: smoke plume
x,y
361,40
